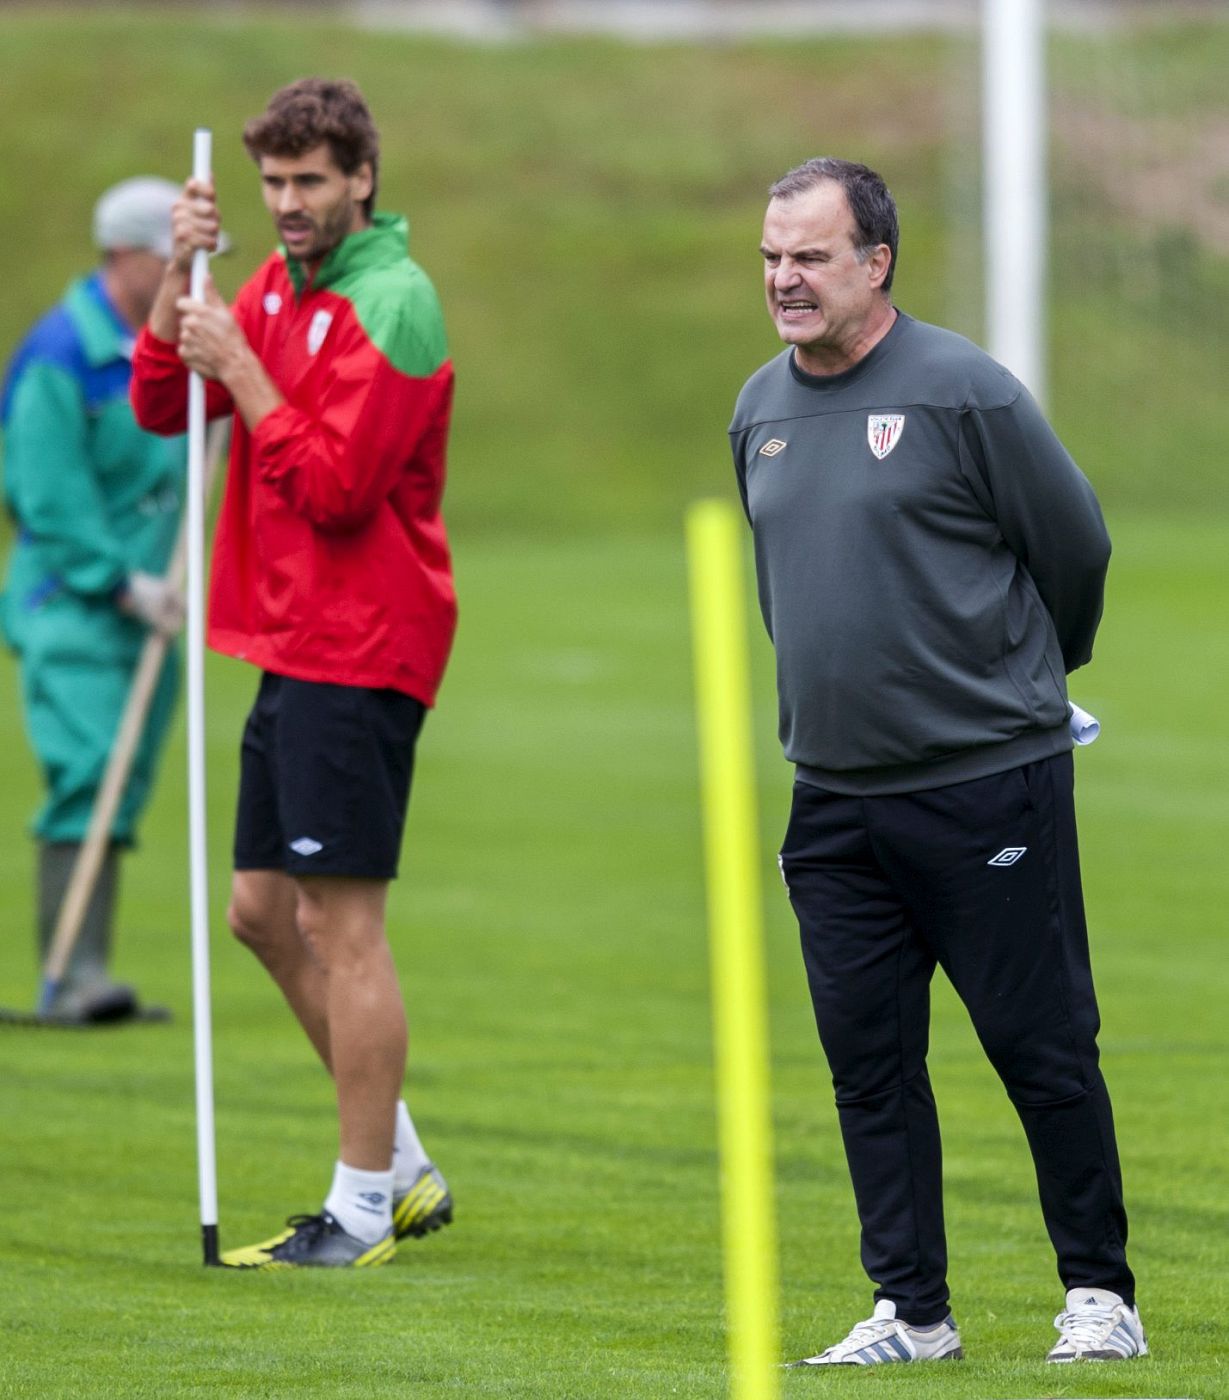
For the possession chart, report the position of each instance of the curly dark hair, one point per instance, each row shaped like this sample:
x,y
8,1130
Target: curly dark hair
x,y
307,113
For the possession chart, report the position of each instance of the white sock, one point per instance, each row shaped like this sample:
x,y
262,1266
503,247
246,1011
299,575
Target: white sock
x,y
408,1156
361,1202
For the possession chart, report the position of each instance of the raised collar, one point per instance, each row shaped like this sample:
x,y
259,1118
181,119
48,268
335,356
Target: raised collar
x,y
383,242
105,335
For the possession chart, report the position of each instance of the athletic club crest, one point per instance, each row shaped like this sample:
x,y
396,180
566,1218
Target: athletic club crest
x,y
318,329
883,432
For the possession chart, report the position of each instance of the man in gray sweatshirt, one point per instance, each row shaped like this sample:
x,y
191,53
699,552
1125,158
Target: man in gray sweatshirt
x,y
931,565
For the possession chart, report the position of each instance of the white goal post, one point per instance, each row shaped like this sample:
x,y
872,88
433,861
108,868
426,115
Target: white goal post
x,y
1015,186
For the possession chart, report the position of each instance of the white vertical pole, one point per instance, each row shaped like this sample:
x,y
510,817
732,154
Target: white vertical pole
x,y
1014,165
202,162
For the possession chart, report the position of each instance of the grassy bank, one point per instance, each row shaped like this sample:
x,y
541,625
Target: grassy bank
x,y
591,214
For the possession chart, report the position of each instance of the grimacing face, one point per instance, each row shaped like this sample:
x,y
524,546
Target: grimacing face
x,y
314,203
821,297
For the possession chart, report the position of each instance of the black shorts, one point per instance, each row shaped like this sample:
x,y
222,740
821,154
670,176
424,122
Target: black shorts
x,y
324,778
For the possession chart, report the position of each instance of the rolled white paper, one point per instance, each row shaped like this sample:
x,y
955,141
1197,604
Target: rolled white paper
x,y
1084,727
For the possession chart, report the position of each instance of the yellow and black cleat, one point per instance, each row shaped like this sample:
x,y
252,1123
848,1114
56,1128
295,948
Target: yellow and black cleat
x,y
312,1242
425,1206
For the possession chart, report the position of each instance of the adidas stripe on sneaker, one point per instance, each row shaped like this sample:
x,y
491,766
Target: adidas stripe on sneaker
x,y
312,1242
884,1338
1097,1325
424,1206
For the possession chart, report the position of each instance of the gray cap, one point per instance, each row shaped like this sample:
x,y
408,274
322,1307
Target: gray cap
x,y
136,214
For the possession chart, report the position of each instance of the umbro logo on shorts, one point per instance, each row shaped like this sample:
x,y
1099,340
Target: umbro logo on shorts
x,y
306,846
1008,855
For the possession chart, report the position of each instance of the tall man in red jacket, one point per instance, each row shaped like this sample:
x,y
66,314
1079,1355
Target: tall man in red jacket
x,y
331,573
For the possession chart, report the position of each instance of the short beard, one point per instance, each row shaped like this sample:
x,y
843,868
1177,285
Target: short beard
x,y
331,232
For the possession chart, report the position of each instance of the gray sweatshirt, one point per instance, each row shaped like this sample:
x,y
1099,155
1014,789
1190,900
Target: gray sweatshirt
x,y
931,563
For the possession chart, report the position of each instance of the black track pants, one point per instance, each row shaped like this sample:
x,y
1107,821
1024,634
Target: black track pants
x,y
983,879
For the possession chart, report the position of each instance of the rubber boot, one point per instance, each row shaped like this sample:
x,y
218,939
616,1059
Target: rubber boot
x,y
87,994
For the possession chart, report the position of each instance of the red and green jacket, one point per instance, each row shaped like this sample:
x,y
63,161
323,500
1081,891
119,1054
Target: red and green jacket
x,y
330,561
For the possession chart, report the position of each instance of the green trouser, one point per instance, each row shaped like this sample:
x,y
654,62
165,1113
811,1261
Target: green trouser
x,y
86,975
77,660
73,705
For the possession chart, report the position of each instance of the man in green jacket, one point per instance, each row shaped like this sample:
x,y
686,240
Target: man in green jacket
x,y
96,505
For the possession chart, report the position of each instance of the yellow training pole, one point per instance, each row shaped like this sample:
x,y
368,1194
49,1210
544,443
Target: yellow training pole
x,y
731,847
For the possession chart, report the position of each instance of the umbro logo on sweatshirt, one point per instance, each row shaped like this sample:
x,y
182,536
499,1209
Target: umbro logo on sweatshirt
x,y
772,447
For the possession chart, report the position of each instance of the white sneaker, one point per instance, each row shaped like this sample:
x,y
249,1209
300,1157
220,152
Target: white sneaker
x,y
1097,1326
883,1338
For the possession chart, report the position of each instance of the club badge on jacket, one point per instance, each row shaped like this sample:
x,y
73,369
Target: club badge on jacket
x,y
883,432
318,329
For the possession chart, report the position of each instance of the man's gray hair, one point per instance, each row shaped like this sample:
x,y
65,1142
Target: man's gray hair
x,y
869,199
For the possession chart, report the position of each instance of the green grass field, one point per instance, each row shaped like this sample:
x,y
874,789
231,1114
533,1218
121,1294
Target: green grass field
x,y
590,212
550,932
